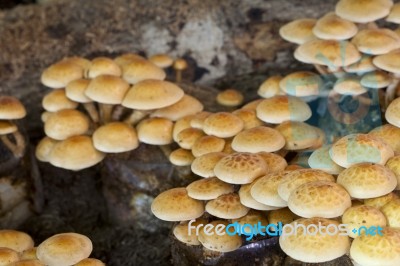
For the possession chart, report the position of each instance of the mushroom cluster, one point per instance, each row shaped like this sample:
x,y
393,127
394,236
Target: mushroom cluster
x,y
66,249
107,106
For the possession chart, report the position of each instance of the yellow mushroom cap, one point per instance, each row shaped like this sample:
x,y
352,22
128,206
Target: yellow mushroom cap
x,y
223,125
207,144
249,118
204,164
362,11
366,180
66,123
298,135
301,84
60,74
389,134
44,148
394,15
103,66
358,148
227,206
27,263
278,109
75,153
181,157
198,119
391,210
107,89
379,202
8,256
258,139
363,65
82,62
218,240
248,200
11,108
75,90
230,97
64,249
127,58
270,87
7,127
275,162
161,60
187,105
155,131
392,113
349,86
181,232
333,27
180,64
389,61
284,215
394,165
321,160
376,80
90,262
115,137
371,250
208,189
252,105
152,94
140,70
188,137
15,240
298,31
240,168
315,247
57,100
176,205
29,254
180,125
376,41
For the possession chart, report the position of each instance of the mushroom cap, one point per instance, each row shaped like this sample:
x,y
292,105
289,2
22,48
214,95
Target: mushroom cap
x,y
362,11
127,58
230,97
275,162
227,206
208,189
391,210
181,157
301,84
75,90
220,243
58,75
389,62
315,247
181,232
103,66
249,118
7,127
298,31
15,240
251,218
376,41
284,215
140,70
180,64
75,153
80,61
324,199
175,205
258,139
8,256
64,249
223,125
294,179
359,148
161,60
66,123
57,100
367,180
363,65
379,202
252,105
376,80
90,262
362,215
204,164
321,160
389,134
278,109
29,254
298,135
394,15
155,131
248,200
115,137
152,94
198,119
333,27
371,250
394,165
207,144
187,105
240,168
27,263
11,108
349,86
180,125
270,87
392,113
107,89
44,148
265,189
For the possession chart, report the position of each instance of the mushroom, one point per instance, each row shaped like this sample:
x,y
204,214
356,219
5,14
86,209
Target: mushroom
x,y
258,139
207,144
379,202
8,256
103,66
251,218
376,41
187,105
198,120
161,60
90,262
230,98
180,125
204,165
188,137
392,113
179,65
15,240
58,75
391,210
138,70
301,84
181,157
284,216
250,202
216,239
27,263
275,162
181,232
394,165
298,31
208,189
333,27
249,118
270,87
57,100
115,137
321,160
155,131
389,134
227,206
66,123
222,125
297,135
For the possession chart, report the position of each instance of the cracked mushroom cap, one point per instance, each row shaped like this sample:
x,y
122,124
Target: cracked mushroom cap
x,y
187,105
296,178
389,134
227,206
58,75
379,202
204,165
15,240
75,91
208,189
258,139
270,87
349,86
66,123
324,199
298,135
207,144
152,94
301,84
389,62
230,97
103,66
298,31
181,157
140,70
240,168
64,249
248,200
391,210
376,41
155,131
284,216
275,162
181,232
361,11
265,189
362,215
161,60
333,27
359,148
11,108
90,262
251,218
376,80
8,256
367,180
394,165
281,108
175,205
321,160
107,89
372,250
249,118
57,100
188,137
75,153
392,113
7,127
218,240
223,125
44,148
115,137
315,247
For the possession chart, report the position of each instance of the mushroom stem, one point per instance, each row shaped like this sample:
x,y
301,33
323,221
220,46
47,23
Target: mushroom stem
x,y
16,148
321,69
178,77
166,149
92,111
136,116
105,112
117,113
391,91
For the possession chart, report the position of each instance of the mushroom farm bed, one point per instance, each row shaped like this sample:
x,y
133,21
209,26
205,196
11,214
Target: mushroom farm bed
x,y
138,132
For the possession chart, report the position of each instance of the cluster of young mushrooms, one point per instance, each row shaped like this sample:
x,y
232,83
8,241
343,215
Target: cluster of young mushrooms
x,y
66,249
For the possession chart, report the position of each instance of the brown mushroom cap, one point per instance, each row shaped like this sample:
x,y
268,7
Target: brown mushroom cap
x,y
223,125
248,200
181,157
103,66
180,125
321,160
220,243
275,162
394,165
392,113
349,86
161,60
44,148
207,144
107,89
361,11
187,105
127,58
389,61
139,70
376,41
270,87
265,189
180,64
298,31
7,127
181,232
333,27
249,118
115,137
15,240
176,205
29,254
75,91
11,108
64,249
90,262
301,84
60,74
258,139
208,189
389,134
8,256
298,135
227,206
204,164
391,210
57,100
198,119
155,131
230,97
376,80
379,202
66,123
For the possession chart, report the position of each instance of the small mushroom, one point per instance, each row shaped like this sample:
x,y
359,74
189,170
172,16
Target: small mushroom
x,y
179,65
